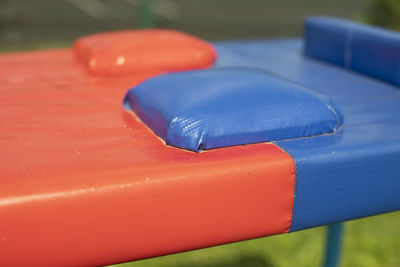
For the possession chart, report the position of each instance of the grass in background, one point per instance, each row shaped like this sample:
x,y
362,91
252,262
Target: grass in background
x,y
7,48
368,242
384,13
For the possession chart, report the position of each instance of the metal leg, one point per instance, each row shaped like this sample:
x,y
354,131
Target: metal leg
x,y
333,245
146,14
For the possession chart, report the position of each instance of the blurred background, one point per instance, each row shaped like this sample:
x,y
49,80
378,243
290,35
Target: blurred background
x,y
40,24
26,24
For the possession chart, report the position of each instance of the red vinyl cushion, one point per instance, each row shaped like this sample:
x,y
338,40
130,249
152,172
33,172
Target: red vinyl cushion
x,y
141,51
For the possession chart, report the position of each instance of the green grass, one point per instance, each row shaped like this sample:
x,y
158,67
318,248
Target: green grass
x,y
372,241
33,46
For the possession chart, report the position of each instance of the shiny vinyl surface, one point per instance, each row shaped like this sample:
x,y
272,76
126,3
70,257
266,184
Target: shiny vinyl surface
x,y
366,49
352,173
233,106
84,183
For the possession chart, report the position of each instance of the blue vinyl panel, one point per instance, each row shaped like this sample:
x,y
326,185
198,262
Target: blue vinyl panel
x,y
366,49
350,174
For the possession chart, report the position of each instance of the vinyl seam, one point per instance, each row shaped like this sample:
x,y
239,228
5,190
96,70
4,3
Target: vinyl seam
x,y
294,211
347,50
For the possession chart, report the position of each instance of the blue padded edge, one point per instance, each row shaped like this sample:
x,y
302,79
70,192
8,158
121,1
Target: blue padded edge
x,y
214,108
369,50
347,175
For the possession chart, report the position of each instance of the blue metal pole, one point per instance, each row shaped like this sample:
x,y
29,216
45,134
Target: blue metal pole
x,y
333,245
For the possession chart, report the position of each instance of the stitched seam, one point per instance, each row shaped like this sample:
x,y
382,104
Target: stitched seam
x,y
294,211
338,124
347,50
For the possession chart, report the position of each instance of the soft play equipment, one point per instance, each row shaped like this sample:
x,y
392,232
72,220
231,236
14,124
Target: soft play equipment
x,y
112,153
143,51
365,49
224,107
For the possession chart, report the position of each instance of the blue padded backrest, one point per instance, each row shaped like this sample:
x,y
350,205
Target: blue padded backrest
x,y
369,50
213,108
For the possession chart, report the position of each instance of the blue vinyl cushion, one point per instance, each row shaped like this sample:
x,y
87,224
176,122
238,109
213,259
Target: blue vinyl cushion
x,y
224,107
369,50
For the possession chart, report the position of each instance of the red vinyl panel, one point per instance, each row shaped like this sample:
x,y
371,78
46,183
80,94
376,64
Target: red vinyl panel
x,y
83,182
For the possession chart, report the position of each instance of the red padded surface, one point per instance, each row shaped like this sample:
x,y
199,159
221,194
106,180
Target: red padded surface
x,y
84,183
140,51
